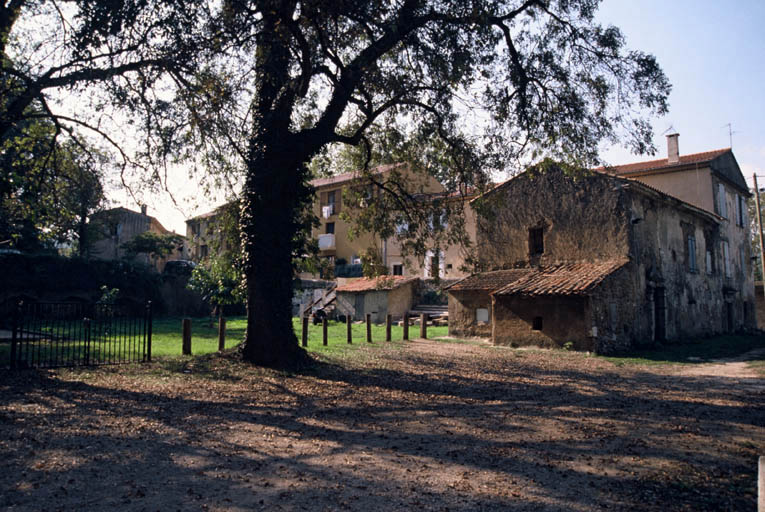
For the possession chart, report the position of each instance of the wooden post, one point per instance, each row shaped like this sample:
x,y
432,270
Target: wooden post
x,y
369,328
424,326
187,336
305,331
761,484
148,331
406,326
324,331
388,319
348,320
221,334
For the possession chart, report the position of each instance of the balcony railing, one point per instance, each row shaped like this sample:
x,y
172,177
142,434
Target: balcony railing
x,y
326,242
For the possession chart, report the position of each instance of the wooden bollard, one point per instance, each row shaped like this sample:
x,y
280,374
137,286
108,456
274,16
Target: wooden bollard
x,y
388,319
348,320
187,336
324,331
305,331
221,334
424,326
406,326
369,328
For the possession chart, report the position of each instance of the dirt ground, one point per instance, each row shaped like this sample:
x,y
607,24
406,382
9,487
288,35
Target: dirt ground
x,y
432,426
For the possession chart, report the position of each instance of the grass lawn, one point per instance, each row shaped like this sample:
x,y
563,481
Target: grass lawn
x,y
166,335
693,351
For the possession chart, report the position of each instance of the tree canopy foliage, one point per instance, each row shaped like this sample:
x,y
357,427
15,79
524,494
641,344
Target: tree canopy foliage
x,y
48,189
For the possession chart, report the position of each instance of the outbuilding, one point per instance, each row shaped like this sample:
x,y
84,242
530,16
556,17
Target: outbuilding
x,y
378,296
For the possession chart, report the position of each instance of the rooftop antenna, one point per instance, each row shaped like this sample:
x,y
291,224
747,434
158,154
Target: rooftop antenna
x,y
671,129
730,133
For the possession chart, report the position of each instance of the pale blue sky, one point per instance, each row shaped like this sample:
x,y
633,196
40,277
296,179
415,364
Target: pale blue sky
x,y
714,55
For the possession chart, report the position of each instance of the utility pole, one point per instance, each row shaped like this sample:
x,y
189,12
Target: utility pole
x,y
759,229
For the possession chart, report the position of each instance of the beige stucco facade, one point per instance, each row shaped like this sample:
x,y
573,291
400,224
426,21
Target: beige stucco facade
x,y
331,193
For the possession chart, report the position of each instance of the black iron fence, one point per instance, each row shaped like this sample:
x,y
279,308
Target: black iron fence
x,y
50,335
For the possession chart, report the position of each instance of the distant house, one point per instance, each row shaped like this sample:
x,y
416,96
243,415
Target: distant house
x,y
332,234
380,296
603,262
206,234
119,225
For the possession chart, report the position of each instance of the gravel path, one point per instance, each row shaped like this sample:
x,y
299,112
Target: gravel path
x,y
427,426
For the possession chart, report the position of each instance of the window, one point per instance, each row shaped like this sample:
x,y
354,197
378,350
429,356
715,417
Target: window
x,y
204,251
398,269
692,253
740,211
726,258
536,241
331,197
435,265
482,316
330,228
710,267
536,324
722,207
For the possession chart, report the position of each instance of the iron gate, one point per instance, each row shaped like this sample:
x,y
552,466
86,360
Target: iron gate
x,y
57,334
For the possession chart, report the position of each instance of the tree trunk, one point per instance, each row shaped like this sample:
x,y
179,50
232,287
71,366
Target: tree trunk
x,y
274,198
274,195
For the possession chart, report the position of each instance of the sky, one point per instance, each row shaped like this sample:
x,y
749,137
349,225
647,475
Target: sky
x,y
713,54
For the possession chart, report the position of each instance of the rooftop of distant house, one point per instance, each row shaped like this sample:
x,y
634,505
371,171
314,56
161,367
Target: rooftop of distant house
x,y
664,164
376,283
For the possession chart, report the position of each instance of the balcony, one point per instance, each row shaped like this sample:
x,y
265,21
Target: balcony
x,y
327,242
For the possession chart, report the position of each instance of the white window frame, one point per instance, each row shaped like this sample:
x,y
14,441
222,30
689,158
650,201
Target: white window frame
x,y
726,257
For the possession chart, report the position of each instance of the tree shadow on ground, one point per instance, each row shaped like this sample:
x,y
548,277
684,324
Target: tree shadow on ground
x,y
430,433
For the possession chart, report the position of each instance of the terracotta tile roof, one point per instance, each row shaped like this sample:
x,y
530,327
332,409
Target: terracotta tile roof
x,y
376,283
663,164
348,176
562,279
489,281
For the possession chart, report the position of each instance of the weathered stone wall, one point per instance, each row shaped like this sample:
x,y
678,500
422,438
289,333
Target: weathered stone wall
x,y
462,313
591,217
400,300
620,316
584,218
563,319
696,300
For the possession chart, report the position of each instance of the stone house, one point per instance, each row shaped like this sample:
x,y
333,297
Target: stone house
x,y
602,262
120,225
379,296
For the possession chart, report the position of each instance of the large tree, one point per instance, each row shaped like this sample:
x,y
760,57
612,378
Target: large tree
x,y
544,74
259,88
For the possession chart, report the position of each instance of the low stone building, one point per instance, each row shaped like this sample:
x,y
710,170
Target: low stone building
x,y
601,262
379,296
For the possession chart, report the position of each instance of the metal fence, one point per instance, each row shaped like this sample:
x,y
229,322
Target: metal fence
x,y
51,335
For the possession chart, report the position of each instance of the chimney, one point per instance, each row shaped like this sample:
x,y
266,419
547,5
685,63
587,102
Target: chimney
x,y
673,151
143,209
